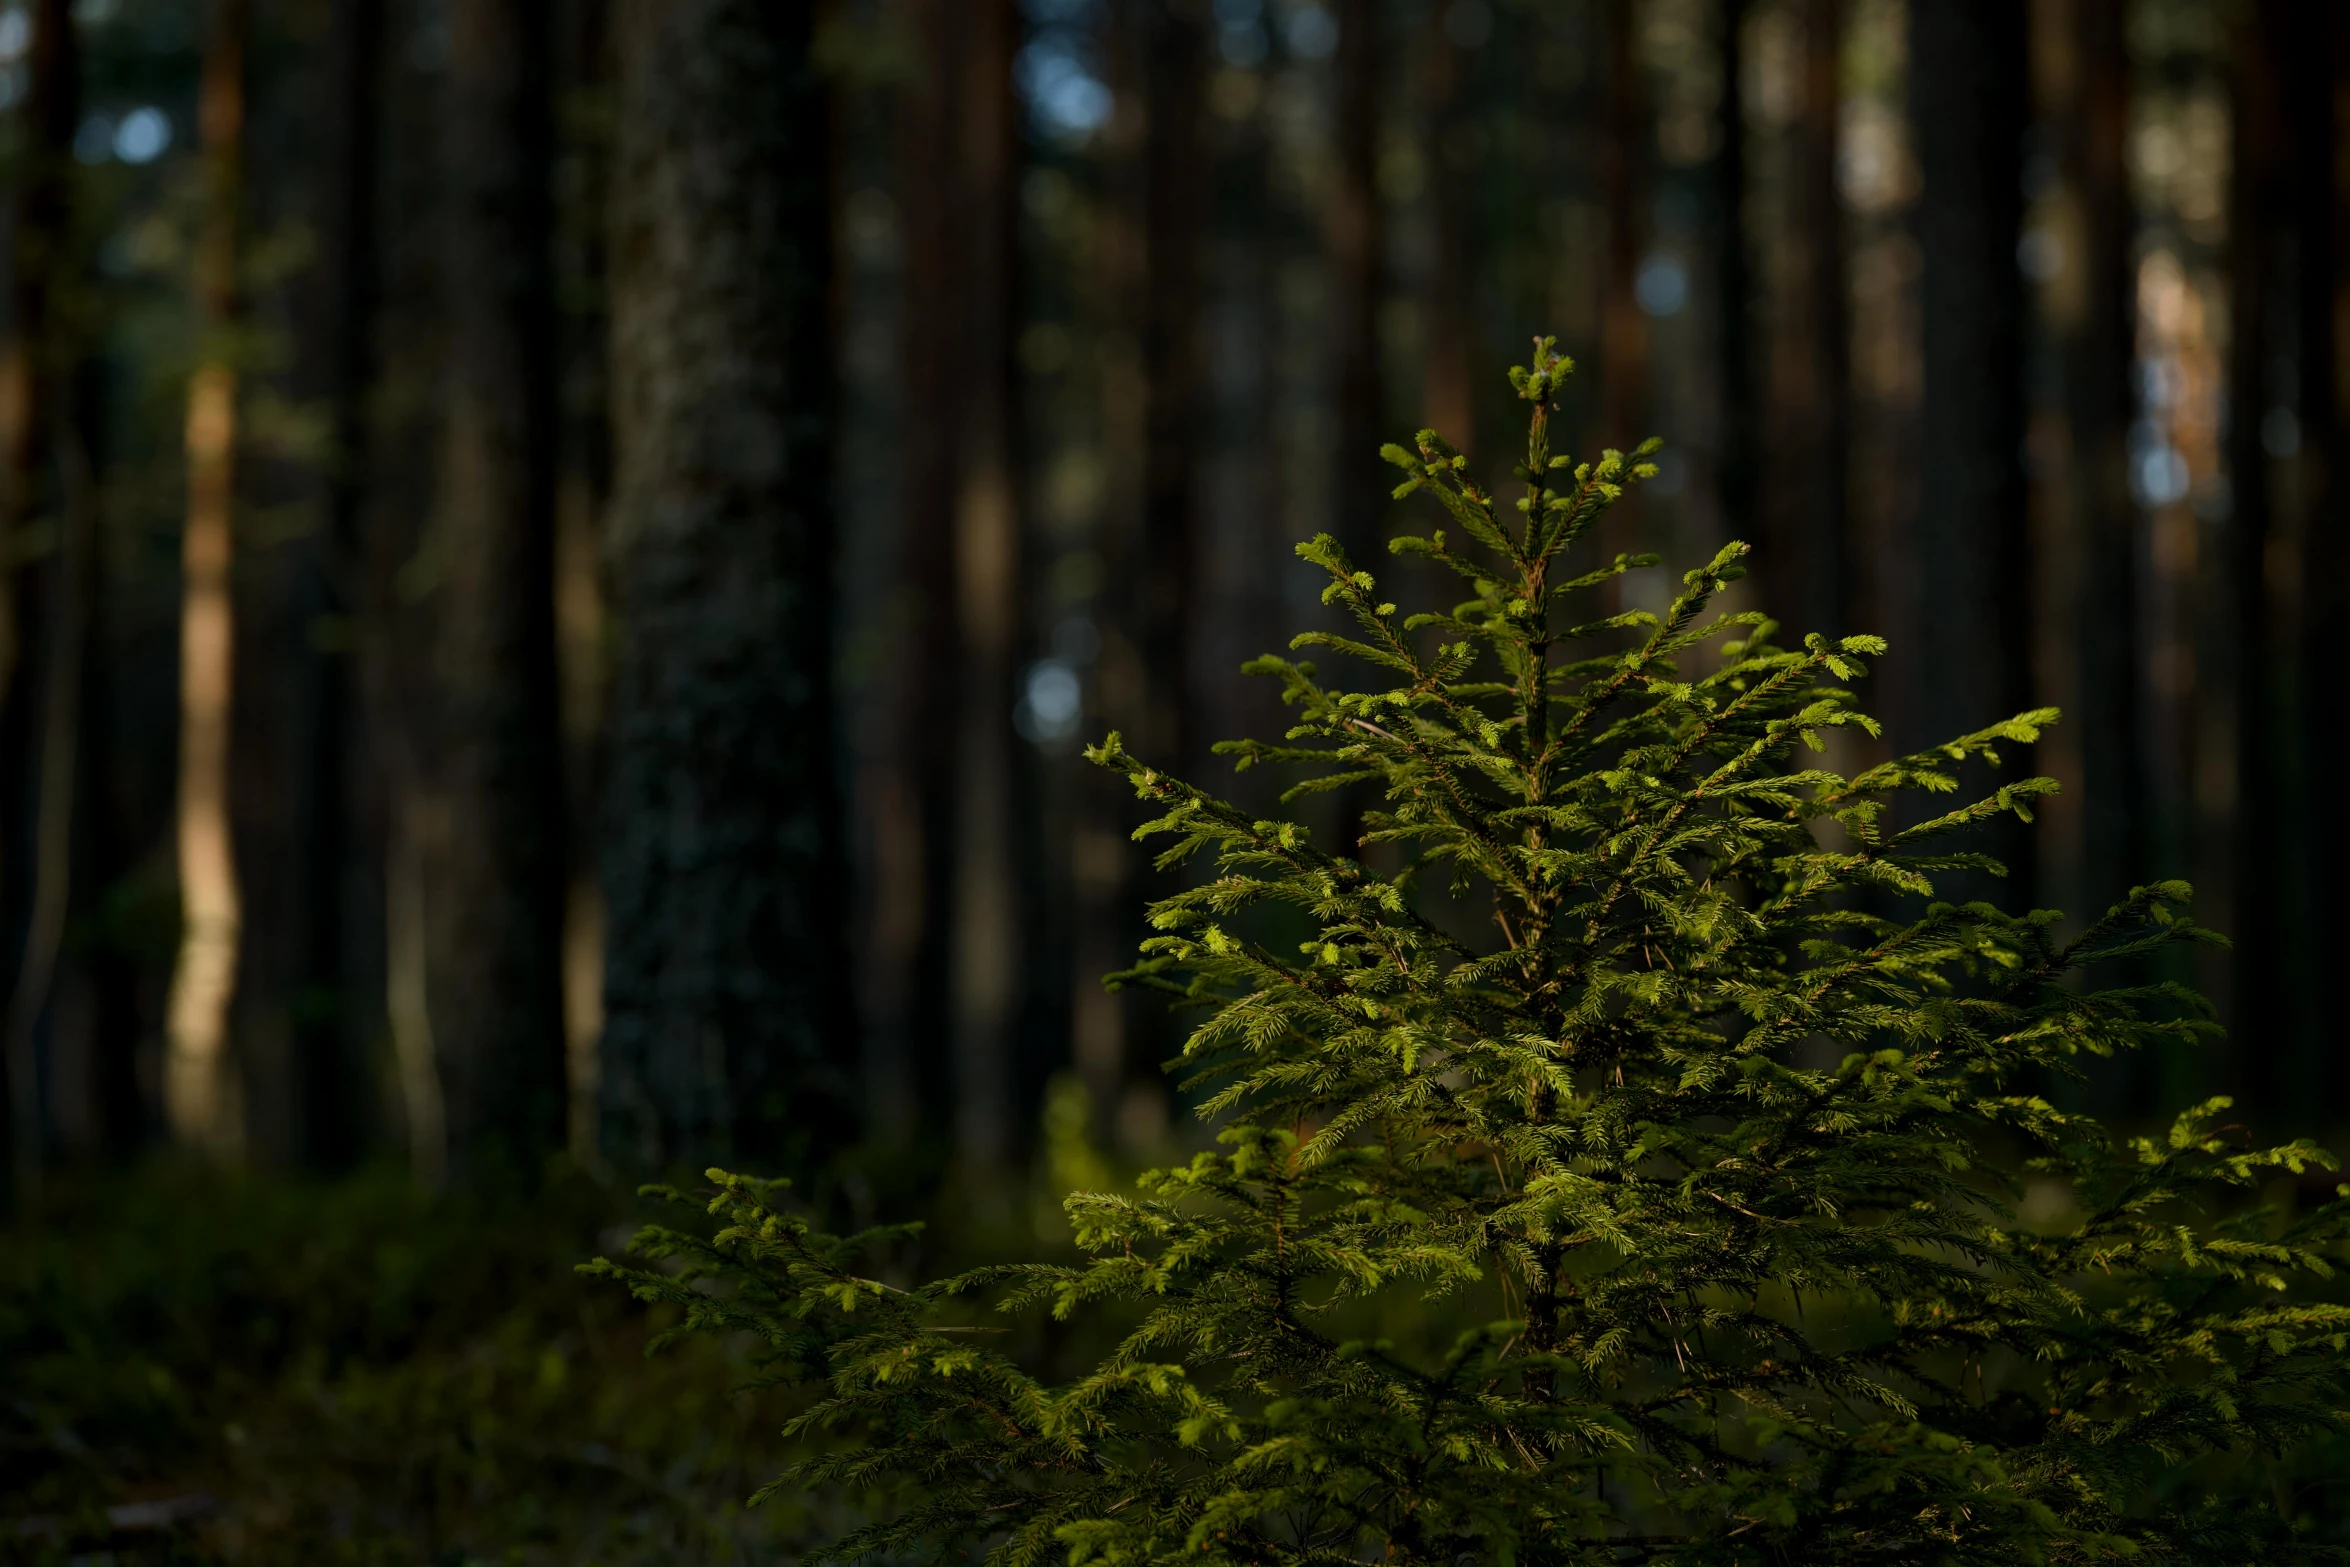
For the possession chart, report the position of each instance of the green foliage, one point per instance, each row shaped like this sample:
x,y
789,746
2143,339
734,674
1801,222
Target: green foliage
x,y
1714,1139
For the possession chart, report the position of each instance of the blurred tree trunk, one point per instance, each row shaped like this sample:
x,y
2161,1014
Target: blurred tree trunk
x,y
1973,644
2263,47
498,888
2320,81
988,962
327,1088
1353,233
584,495
43,626
1156,568
2102,350
1164,575
198,1097
1734,299
1810,578
1625,134
908,986
1448,405
726,1007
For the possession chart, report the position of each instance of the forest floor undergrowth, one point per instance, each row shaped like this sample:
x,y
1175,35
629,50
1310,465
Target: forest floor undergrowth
x,y
197,1367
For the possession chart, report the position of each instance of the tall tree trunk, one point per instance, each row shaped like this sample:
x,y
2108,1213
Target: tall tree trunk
x,y
908,987
1625,133
1448,404
326,1069
41,627
198,1097
726,1007
2320,83
2101,352
584,491
1734,300
988,972
1973,650
1352,230
498,891
1810,578
2263,47
1164,576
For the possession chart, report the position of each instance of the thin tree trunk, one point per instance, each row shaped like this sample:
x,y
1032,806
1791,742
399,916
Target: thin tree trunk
x,y
1811,578
584,492
1165,576
987,975
726,1003
1734,304
198,1097
2101,352
1973,646
913,805
498,925
1625,133
1352,233
1448,404
2263,48
327,1090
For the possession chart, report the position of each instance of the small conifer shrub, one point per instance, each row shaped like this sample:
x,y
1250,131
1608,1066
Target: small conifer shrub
x,y
1700,1170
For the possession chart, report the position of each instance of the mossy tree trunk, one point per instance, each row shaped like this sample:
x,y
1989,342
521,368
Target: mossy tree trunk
x,y
726,994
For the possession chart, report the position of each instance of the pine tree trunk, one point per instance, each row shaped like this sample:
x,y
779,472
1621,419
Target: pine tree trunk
x,y
1625,134
496,893
1735,446
912,803
2101,352
1164,576
1352,229
2321,72
726,1006
988,973
327,1087
2263,47
40,633
199,1100
1973,644
584,496
1810,567
1447,404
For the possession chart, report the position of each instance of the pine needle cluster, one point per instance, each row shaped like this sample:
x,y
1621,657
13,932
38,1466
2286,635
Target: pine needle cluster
x,y
1714,1144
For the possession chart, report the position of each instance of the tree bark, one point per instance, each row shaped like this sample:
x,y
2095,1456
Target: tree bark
x,y
1352,232
988,962
726,1004
2319,83
1734,480
2263,48
41,628
1974,630
497,891
327,1087
1625,134
199,1100
1164,576
1810,577
1448,404
2101,352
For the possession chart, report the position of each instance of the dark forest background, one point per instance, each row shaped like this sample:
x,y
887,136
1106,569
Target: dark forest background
x,y
560,553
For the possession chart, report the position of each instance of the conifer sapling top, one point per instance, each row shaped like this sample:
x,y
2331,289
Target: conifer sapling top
x,y
1628,1170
